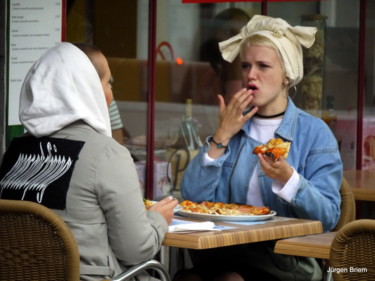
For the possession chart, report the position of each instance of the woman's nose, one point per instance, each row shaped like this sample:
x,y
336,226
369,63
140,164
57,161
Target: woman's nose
x,y
251,74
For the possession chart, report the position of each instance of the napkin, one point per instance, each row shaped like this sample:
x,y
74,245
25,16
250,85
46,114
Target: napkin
x,y
190,227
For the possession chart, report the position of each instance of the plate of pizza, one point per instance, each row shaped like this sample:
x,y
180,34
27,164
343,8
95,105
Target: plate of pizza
x,y
224,212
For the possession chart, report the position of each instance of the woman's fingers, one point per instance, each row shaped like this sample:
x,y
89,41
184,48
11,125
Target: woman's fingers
x,y
238,104
168,202
278,170
221,103
240,100
232,118
165,207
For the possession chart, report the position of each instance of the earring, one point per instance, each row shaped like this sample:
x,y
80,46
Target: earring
x,y
295,92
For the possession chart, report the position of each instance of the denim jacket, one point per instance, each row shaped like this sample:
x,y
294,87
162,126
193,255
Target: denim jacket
x,y
313,154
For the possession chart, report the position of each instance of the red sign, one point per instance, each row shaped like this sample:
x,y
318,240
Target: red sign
x,y
216,1
222,1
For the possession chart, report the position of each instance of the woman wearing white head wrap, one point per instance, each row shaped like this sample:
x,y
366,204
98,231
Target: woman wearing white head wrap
x,y
286,38
69,162
305,185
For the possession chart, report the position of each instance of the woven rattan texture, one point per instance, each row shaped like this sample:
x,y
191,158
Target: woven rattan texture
x,y
39,257
353,251
347,207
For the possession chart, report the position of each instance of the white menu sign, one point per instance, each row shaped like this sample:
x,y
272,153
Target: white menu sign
x,y
34,26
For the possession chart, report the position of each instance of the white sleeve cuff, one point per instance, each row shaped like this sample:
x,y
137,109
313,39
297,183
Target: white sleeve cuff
x,y
207,159
289,190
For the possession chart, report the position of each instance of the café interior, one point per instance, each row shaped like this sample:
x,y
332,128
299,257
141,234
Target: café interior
x,y
162,103
166,91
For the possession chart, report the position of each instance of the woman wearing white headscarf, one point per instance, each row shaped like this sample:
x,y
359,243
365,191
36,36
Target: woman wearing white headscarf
x,y
305,185
71,164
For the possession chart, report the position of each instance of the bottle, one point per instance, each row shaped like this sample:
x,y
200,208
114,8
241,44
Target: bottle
x,y
188,110
185,148
188,128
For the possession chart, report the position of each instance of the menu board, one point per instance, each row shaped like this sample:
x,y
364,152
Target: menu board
x,y
34,26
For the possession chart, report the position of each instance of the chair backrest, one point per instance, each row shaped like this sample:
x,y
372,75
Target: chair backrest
x,y
35,244
347,205
352,253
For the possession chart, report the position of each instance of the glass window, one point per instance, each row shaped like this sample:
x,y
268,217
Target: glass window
x,y
368,153
330,85
120,30
190,73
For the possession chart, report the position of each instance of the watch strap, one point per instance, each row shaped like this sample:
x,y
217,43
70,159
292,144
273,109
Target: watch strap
x,y
218,144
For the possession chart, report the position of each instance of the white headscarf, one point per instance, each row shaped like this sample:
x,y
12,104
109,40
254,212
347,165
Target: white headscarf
x,y
60,88
288,40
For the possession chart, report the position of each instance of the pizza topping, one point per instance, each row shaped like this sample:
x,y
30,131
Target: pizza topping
x,y
219,208
274,148
148,203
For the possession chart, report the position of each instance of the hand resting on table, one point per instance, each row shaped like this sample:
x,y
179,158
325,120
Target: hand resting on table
x,y
165,208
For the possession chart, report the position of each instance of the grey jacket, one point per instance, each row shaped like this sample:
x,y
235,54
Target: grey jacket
x,y
105,209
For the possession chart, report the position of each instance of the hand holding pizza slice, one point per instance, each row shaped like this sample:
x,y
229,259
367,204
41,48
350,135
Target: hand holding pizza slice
x,y
274,148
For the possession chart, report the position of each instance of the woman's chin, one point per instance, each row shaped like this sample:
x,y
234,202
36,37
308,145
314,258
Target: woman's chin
x,y
256,103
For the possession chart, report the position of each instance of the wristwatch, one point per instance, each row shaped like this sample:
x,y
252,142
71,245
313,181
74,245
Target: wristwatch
x,y
218,144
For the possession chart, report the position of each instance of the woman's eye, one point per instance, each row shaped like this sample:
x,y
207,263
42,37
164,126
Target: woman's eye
x,y
245,66
262,65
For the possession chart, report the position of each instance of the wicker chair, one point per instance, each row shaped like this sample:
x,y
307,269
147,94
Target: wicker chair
x,y
36,244
347,205
353,251
347,214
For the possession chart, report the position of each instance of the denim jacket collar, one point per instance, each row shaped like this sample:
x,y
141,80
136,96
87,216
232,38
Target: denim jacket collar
x,y
287,126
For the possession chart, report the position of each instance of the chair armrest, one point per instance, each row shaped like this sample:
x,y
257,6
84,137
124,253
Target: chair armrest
x,y
136,269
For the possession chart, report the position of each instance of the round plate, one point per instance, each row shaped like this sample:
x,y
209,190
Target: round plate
x,y
177,208
212,217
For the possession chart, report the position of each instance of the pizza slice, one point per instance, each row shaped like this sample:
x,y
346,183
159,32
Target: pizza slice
x,y
219,208
274,148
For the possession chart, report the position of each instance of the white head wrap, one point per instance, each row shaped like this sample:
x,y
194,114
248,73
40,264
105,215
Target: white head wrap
x,y
288,40
60,88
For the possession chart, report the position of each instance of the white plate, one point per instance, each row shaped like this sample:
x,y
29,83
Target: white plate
x,y
177,208
225,217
